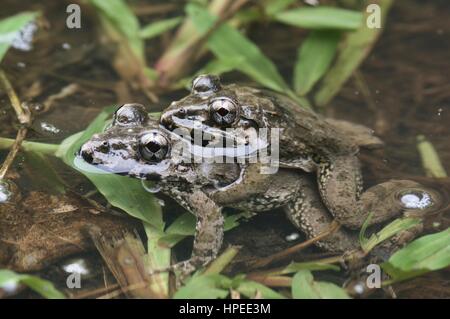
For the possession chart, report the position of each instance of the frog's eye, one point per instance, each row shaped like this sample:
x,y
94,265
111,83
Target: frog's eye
x,y
153,146
205,84
130,115
224,111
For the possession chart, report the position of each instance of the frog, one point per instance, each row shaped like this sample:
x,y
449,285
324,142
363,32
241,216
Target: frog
x,y
138,146
308,141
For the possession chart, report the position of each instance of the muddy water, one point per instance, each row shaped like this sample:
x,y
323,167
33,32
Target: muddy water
x,y
402,91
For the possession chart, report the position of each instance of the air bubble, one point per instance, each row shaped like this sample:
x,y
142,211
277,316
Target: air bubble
x,y
5,191
292,237
151,187
416,200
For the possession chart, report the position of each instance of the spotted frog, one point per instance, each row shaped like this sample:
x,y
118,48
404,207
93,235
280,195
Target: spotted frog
x,y
138,146
307,141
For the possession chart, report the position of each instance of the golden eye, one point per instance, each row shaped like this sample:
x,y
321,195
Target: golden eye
x,y
130,115
153,146
224,111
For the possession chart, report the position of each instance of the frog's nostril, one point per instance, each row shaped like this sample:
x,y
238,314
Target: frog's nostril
x,y
86,153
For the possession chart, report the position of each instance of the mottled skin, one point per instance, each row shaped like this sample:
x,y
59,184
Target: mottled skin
x,y
204,188
308,141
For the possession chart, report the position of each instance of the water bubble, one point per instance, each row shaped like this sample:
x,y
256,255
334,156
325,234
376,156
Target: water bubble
x,y
359,288
416,200
23,39
440,111
66,46
151,187
292,237
49,128
161,202
5,191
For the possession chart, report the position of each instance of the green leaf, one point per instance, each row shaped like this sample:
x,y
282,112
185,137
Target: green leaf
x,y
221,262
122,18
251,288
321,18
314,58
230,45
10,28
396,226
425,254
273,7
123,192
304,287
158,257
430,158
204,287
355,47
156,28
41,286
185,226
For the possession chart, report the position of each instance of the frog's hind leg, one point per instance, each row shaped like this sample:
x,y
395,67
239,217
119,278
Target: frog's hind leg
x,y
308,213
340,186
359,134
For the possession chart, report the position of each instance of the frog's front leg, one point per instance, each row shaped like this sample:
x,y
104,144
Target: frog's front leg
x,y
340,186
208,232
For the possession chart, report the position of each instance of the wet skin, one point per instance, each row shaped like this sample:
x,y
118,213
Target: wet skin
x,y
137,146
308,142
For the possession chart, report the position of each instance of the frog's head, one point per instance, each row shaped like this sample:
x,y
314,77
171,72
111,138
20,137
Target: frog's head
x,y
213,109
135,145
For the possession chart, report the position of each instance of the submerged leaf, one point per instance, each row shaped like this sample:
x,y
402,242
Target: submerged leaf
x,y
43,287
430,158
321,18
305,287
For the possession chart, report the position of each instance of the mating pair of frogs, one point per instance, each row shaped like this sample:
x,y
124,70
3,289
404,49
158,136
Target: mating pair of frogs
x,y
318,175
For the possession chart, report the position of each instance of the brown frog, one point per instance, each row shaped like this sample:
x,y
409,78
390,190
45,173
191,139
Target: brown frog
x,y
137,146
307,141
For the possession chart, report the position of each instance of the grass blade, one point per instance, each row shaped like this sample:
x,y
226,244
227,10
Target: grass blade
x,y
314,58
430,158
353,51
156,28
320,18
